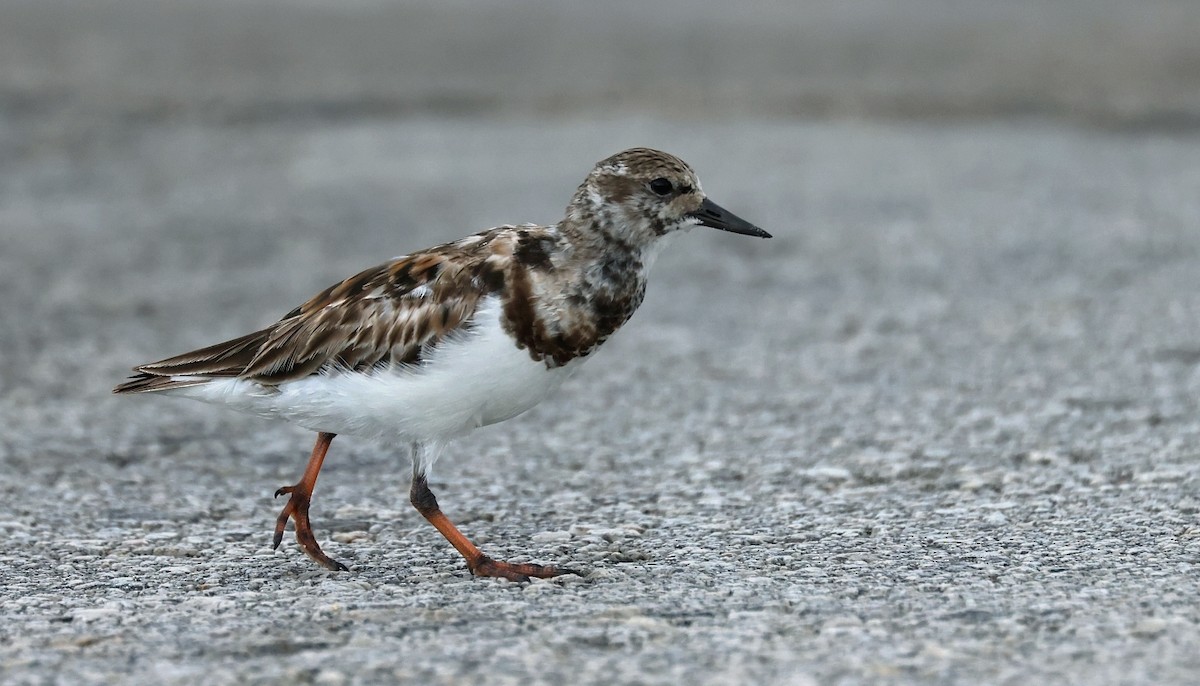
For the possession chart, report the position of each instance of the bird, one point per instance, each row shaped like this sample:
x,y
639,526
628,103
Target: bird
x,y
429,346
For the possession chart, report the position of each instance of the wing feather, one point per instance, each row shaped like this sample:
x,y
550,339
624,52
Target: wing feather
x,y
386,315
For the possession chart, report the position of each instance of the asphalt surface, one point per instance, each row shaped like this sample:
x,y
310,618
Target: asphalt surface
x,y
943,428
1112,63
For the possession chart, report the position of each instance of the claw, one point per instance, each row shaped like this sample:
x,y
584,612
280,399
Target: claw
x,y
516,572
297,510
280,525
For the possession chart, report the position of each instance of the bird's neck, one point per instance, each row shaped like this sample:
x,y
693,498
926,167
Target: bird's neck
x,y
599,240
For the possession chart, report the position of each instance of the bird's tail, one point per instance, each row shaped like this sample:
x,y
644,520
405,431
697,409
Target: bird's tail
x,y
148,383
197,367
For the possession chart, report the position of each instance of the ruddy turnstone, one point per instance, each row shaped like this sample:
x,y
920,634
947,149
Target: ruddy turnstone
x,y
429,346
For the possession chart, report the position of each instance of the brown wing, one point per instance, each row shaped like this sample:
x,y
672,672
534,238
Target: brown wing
x,y
385,315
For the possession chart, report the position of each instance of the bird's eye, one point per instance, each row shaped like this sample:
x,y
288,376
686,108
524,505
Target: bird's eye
x,y
661,186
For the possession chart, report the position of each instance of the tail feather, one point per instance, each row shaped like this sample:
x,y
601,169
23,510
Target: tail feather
x,y
197,367
147,383
223,359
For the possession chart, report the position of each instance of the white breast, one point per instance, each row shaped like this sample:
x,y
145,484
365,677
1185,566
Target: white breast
x,y
469,380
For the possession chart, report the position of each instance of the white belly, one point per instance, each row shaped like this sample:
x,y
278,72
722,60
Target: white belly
x,y
469,381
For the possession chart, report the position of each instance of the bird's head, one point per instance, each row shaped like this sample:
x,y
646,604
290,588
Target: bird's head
x,y
640,195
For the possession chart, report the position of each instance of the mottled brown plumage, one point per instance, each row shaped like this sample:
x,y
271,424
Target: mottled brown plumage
x,y
430,345
389,314
381,316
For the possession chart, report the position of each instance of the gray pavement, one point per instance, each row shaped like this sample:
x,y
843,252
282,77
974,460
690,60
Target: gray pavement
x,y
1109,62
943,428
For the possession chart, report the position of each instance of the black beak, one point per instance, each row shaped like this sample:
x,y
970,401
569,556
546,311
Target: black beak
x,y
713,215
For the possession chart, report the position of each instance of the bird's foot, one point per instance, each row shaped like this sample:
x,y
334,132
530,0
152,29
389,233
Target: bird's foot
x,y
297,510
486,566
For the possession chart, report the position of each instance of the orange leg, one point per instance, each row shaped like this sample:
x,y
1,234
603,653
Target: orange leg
x,y
297,507
479,564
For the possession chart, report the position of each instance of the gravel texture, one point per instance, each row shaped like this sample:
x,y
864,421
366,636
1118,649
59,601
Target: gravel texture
x,y
943,428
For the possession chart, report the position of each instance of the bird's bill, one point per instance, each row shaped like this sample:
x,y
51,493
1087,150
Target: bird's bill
x,y
714,216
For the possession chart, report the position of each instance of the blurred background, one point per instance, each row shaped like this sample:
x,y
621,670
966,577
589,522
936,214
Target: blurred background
x,y
1105,62
206,135
942,428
